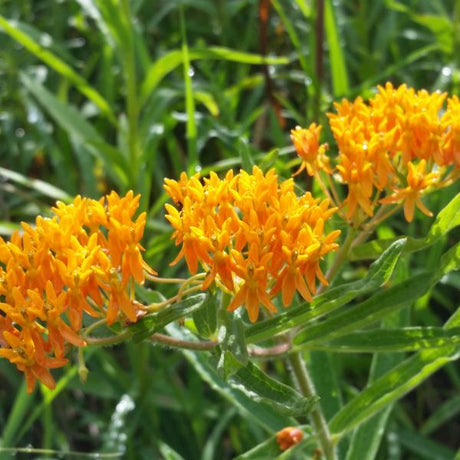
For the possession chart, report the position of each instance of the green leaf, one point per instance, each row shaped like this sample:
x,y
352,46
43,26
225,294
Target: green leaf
x,y
38,185
205,318
393,340
371,310
335,297
424,448
262,388
269,159
232,340
14,30
190,129
246,160
450,260
336,56
170,61
447,219
16,417
257,412
395,383
154,322
449,409
70,119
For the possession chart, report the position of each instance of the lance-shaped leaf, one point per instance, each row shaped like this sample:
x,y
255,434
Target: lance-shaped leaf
x,y
371,310
71,120
447,219
262,388
395,383
393,340
154,322
378,274
35,184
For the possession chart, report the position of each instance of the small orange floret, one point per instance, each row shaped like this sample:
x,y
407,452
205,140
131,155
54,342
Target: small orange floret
x,y
313,155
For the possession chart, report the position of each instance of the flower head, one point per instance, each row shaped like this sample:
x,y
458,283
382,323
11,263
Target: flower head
x,y
244,230
390,150
83,260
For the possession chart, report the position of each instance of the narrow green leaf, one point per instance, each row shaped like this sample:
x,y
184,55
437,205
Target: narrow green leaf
x,y
38,185
424,448
211,448
170,61
246,160
15,32
21,406
378,274
260,387
269,159
371,310
190,128
336,57
450,260
395,383
450,409
447,219
208,100
393,340
154,322
76,126
167,452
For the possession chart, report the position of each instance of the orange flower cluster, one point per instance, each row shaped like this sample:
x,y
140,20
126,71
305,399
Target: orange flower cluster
x,y
252,235
391,150
84,259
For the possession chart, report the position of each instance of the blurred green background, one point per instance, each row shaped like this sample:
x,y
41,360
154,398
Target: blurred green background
x,y
98,95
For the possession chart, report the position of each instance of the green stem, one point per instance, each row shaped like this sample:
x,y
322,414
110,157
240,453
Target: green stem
x,y
176,343
339,258
317,417
107,341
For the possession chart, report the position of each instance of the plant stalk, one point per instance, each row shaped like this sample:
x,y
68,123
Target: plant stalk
x,y
317,417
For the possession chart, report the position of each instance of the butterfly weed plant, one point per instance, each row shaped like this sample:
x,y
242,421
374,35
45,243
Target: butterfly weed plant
x,y
266,262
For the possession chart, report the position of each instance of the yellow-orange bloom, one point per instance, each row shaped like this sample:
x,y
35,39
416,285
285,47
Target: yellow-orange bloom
x,y
389,149
417,181
306,143
83,260
244,229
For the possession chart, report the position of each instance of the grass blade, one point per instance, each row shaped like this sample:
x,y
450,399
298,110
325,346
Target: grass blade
x,y
13,30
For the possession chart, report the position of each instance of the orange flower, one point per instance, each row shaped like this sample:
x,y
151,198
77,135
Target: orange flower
x,y
417,181
379,143
84,260
306,143
243,229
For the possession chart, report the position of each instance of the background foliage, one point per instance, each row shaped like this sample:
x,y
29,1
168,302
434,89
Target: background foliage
x,y
117,94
